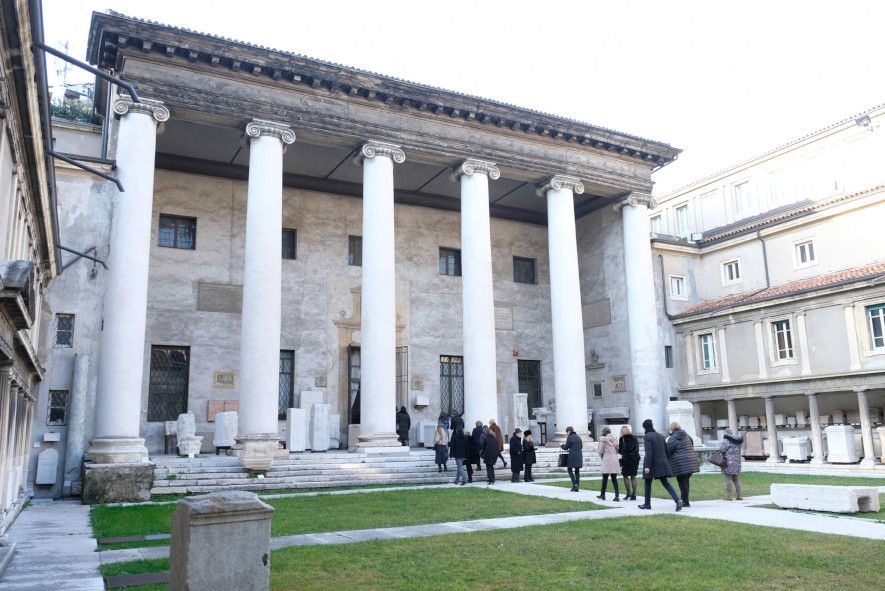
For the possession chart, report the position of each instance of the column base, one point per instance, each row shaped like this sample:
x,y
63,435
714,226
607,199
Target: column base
x,y
257,451
816,462
867,463
117,450
773,460
117,483
380,443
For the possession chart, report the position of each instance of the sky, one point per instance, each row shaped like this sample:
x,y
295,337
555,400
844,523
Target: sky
x,y
723,81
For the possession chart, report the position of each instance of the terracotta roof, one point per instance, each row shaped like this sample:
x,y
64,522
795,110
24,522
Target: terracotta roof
x,y
848,276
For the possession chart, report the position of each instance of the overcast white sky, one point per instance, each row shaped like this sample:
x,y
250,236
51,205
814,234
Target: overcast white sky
x,y
721,80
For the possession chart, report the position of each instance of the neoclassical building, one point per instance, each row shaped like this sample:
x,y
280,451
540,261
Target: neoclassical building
x,y
288,226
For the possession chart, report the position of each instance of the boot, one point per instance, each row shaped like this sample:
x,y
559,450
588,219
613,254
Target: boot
x,y
445,467
439,467
740,498
644,506
678,505
602,497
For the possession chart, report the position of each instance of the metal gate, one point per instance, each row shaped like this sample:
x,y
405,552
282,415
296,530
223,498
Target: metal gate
x,y
529,373
353,384
287,383
451,384
168,388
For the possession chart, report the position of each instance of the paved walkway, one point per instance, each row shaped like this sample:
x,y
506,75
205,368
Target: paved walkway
x,y
55,550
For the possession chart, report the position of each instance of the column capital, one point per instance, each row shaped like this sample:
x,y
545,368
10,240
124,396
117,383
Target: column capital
x,y
561,181
635,199
861,389
373,148
123,104
473,166
259,127
810,394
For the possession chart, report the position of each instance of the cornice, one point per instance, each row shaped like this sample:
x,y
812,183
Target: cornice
x,y
473,166
561,181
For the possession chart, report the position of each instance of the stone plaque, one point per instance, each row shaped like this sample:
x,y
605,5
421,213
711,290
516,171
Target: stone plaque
x,y
47,466
319,427
597,313
217,406
219,297
619,383
296,432
320,381
225,380
503,317
417,384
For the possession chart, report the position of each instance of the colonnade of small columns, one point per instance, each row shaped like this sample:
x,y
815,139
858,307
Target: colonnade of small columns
x,y
16,420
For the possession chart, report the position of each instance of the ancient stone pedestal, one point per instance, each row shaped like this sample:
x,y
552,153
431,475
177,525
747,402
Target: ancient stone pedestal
x,y
800,418
754,422
520,411
257,451
838,417
840,444
837,499
117,483
797,449
47,466
780,420
682,412
189,442
319,427
296,419
221,541
744,421
225,429
334,433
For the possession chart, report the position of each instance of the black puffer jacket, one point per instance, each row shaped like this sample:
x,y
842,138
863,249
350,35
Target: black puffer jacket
x,y
683,459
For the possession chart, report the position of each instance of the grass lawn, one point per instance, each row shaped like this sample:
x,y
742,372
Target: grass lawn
x,y
628,553
299,515
705,487
880,516
285,491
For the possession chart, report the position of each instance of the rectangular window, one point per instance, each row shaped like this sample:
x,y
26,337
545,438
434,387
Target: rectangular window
x,y
597,389
58,408
354,362
708,351
783,340
169,381
657,225
743,200
677,287
355,251
682,229
805,255
876,314
776,191
451,384
529,379
731,272
287,383
290,244
523,270
64,330
450,262
668,356
177,232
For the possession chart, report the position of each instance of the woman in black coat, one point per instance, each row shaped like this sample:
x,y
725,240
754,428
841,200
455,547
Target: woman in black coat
x,y
573,445
683,459
515,455
528,455
628,447
490,452
478,436
403,424
655,464
472,455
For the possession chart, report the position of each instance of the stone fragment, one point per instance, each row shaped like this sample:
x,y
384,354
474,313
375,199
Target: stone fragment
x,y
836,499
226,424
520,409
800,418
682,412
754,447
295,429
840,444
187,425
797,449
311,397
47,466
117,483
838,417
780,420
319,427
334,431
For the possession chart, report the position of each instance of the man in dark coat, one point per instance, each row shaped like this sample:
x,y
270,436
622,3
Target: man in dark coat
x,y
515,455
490,453
573,445
528,455
457,421
403,424
655,464
478,436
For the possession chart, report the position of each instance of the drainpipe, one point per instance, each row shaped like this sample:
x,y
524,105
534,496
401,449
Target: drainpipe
x,y
664,289
764,258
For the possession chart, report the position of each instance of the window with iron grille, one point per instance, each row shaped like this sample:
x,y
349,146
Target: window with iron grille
x,y
177,232
402,376
290,244
353,384
523,270
668,356
450,262
287,383
451,384
355,251
597,389
169,381
58,408
64,330
529,378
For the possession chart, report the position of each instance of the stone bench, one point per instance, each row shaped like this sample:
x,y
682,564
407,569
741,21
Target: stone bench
x,y
835,499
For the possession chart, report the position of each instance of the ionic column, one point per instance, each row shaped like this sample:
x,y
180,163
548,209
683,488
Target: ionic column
x,y
774,457
121,349
378,314
732,416
478,300
4,430
649,401
866,428
569,381
262,298
817,441
698,422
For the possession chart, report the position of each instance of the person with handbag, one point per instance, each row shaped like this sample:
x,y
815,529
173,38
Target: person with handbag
x,y
441,446
628,447
610,465
575,457
683,459
528,455
655,464
731,465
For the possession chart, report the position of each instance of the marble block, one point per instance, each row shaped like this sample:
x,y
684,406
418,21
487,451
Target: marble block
x,y
840,444
520,409
706,422
824,420
311,397
743,421
226,424
334,431
171,427
319,427
682,412
721,423
779,420
816,497
189,445
47,466
428,430
753,422
838,417
797,449
754,447
852,417
763,422
296,433
187,425
800,418
791,421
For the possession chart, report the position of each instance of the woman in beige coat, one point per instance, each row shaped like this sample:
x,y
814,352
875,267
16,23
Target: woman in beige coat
x,y
608,449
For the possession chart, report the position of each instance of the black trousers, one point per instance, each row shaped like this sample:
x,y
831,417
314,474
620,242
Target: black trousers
x,y
490,472
666,484
501,457
528,473
614,483
575,475
469,472
683,486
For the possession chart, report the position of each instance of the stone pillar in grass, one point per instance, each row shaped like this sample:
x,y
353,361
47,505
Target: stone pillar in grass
x,y
221,541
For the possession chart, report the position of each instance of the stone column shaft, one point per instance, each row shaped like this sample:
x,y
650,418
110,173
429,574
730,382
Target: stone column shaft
x,y
378,313
75,440
774,457
569,379
817,441
866,429
4,432
478,300
121,348
649,401
732,416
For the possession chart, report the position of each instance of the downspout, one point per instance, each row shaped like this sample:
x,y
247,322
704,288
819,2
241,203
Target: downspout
x,y
764,258
664,289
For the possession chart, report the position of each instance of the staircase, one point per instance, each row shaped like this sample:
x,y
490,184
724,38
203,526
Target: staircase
x,y
175,475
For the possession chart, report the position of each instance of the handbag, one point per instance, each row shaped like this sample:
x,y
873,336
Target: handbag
x,y
717,459
563,460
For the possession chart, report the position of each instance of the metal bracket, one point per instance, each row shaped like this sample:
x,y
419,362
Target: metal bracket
x,y
80,255
88,68
71,160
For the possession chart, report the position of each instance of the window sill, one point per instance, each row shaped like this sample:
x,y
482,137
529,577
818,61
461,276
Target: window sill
x,y
783,362
875,352
707,372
